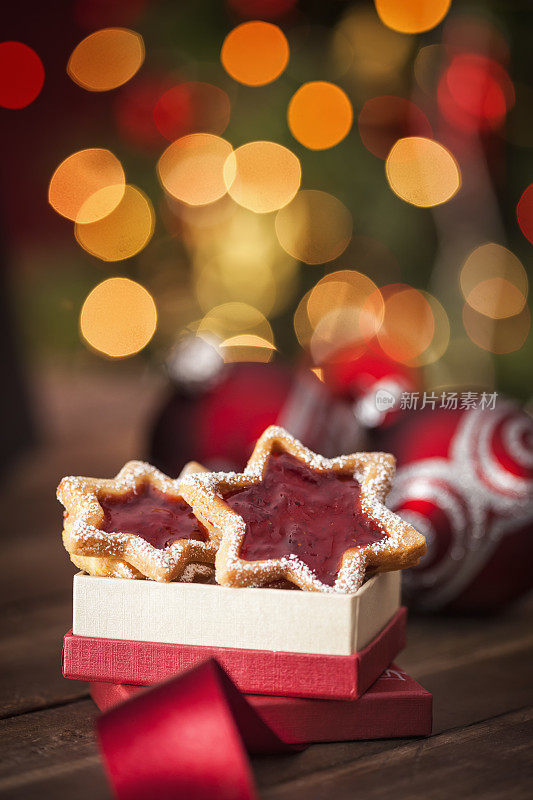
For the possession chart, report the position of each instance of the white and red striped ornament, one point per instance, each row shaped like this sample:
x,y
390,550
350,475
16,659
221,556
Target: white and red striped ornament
x,y
465,480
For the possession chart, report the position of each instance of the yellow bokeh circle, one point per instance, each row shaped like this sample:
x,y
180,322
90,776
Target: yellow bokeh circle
x,y
239,258
106,59
340,312
192,168
302,325
494,281
124,232
75,187
118,317
247,347
441,334
341,289
262,176
422,171
235,319
500,336
497,298
315,227
408,326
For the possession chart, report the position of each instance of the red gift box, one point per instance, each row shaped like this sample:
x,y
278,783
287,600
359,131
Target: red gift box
x,y
253,671
394,706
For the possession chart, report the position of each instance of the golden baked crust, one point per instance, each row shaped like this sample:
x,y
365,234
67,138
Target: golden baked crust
x,y
402,547
126,555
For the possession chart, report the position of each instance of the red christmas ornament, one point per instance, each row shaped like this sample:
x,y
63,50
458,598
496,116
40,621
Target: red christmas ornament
x,y
216,422
373,381
465,480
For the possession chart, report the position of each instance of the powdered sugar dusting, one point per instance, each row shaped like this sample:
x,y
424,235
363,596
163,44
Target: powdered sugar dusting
x,y
83,535
374,472
84,516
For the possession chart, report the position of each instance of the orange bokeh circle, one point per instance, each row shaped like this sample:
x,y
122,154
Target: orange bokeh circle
x,y
320,115
255,53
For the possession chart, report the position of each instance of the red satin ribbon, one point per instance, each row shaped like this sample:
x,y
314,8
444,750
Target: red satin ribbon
x,y
186,738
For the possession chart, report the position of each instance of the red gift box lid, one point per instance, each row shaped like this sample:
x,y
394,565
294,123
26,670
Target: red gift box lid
x,y
264,672
394,706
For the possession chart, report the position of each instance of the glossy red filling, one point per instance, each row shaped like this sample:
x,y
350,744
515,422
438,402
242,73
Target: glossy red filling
x,y
149,513
295,510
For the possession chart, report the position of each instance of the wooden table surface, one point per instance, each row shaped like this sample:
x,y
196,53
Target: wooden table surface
x,y
479,670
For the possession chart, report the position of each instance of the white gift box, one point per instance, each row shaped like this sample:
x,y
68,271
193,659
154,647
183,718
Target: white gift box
x,y
215,616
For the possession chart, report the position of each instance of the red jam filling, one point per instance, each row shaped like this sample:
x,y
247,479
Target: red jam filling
x,y
149,513
316,516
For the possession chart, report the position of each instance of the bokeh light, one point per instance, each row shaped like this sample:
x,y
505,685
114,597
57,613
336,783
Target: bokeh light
x,y
422,171
192,107
124,232
341,308
412,16
428,66
377,54
262,176
218,280
106,59
474,32
384,120
194,361
320,115
118,317
524,213
75,187
497,298
182,219
493,281
21,75
441,335
315,227
134,111
192,168
475,92
336,329
302,326
255,53
497,336
340,289
407,328
239,258
239,229
164,269
247,347
235,319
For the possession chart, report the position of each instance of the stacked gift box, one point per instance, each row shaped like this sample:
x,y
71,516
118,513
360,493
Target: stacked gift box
x,y
316,666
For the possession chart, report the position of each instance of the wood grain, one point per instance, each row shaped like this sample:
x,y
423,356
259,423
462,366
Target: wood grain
x,y
460,763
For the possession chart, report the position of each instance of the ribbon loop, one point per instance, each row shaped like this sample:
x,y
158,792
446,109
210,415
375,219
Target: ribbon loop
x,y
186,738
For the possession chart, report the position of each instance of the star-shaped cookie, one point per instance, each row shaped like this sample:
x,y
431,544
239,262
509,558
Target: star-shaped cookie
x,y
136,525
293,514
